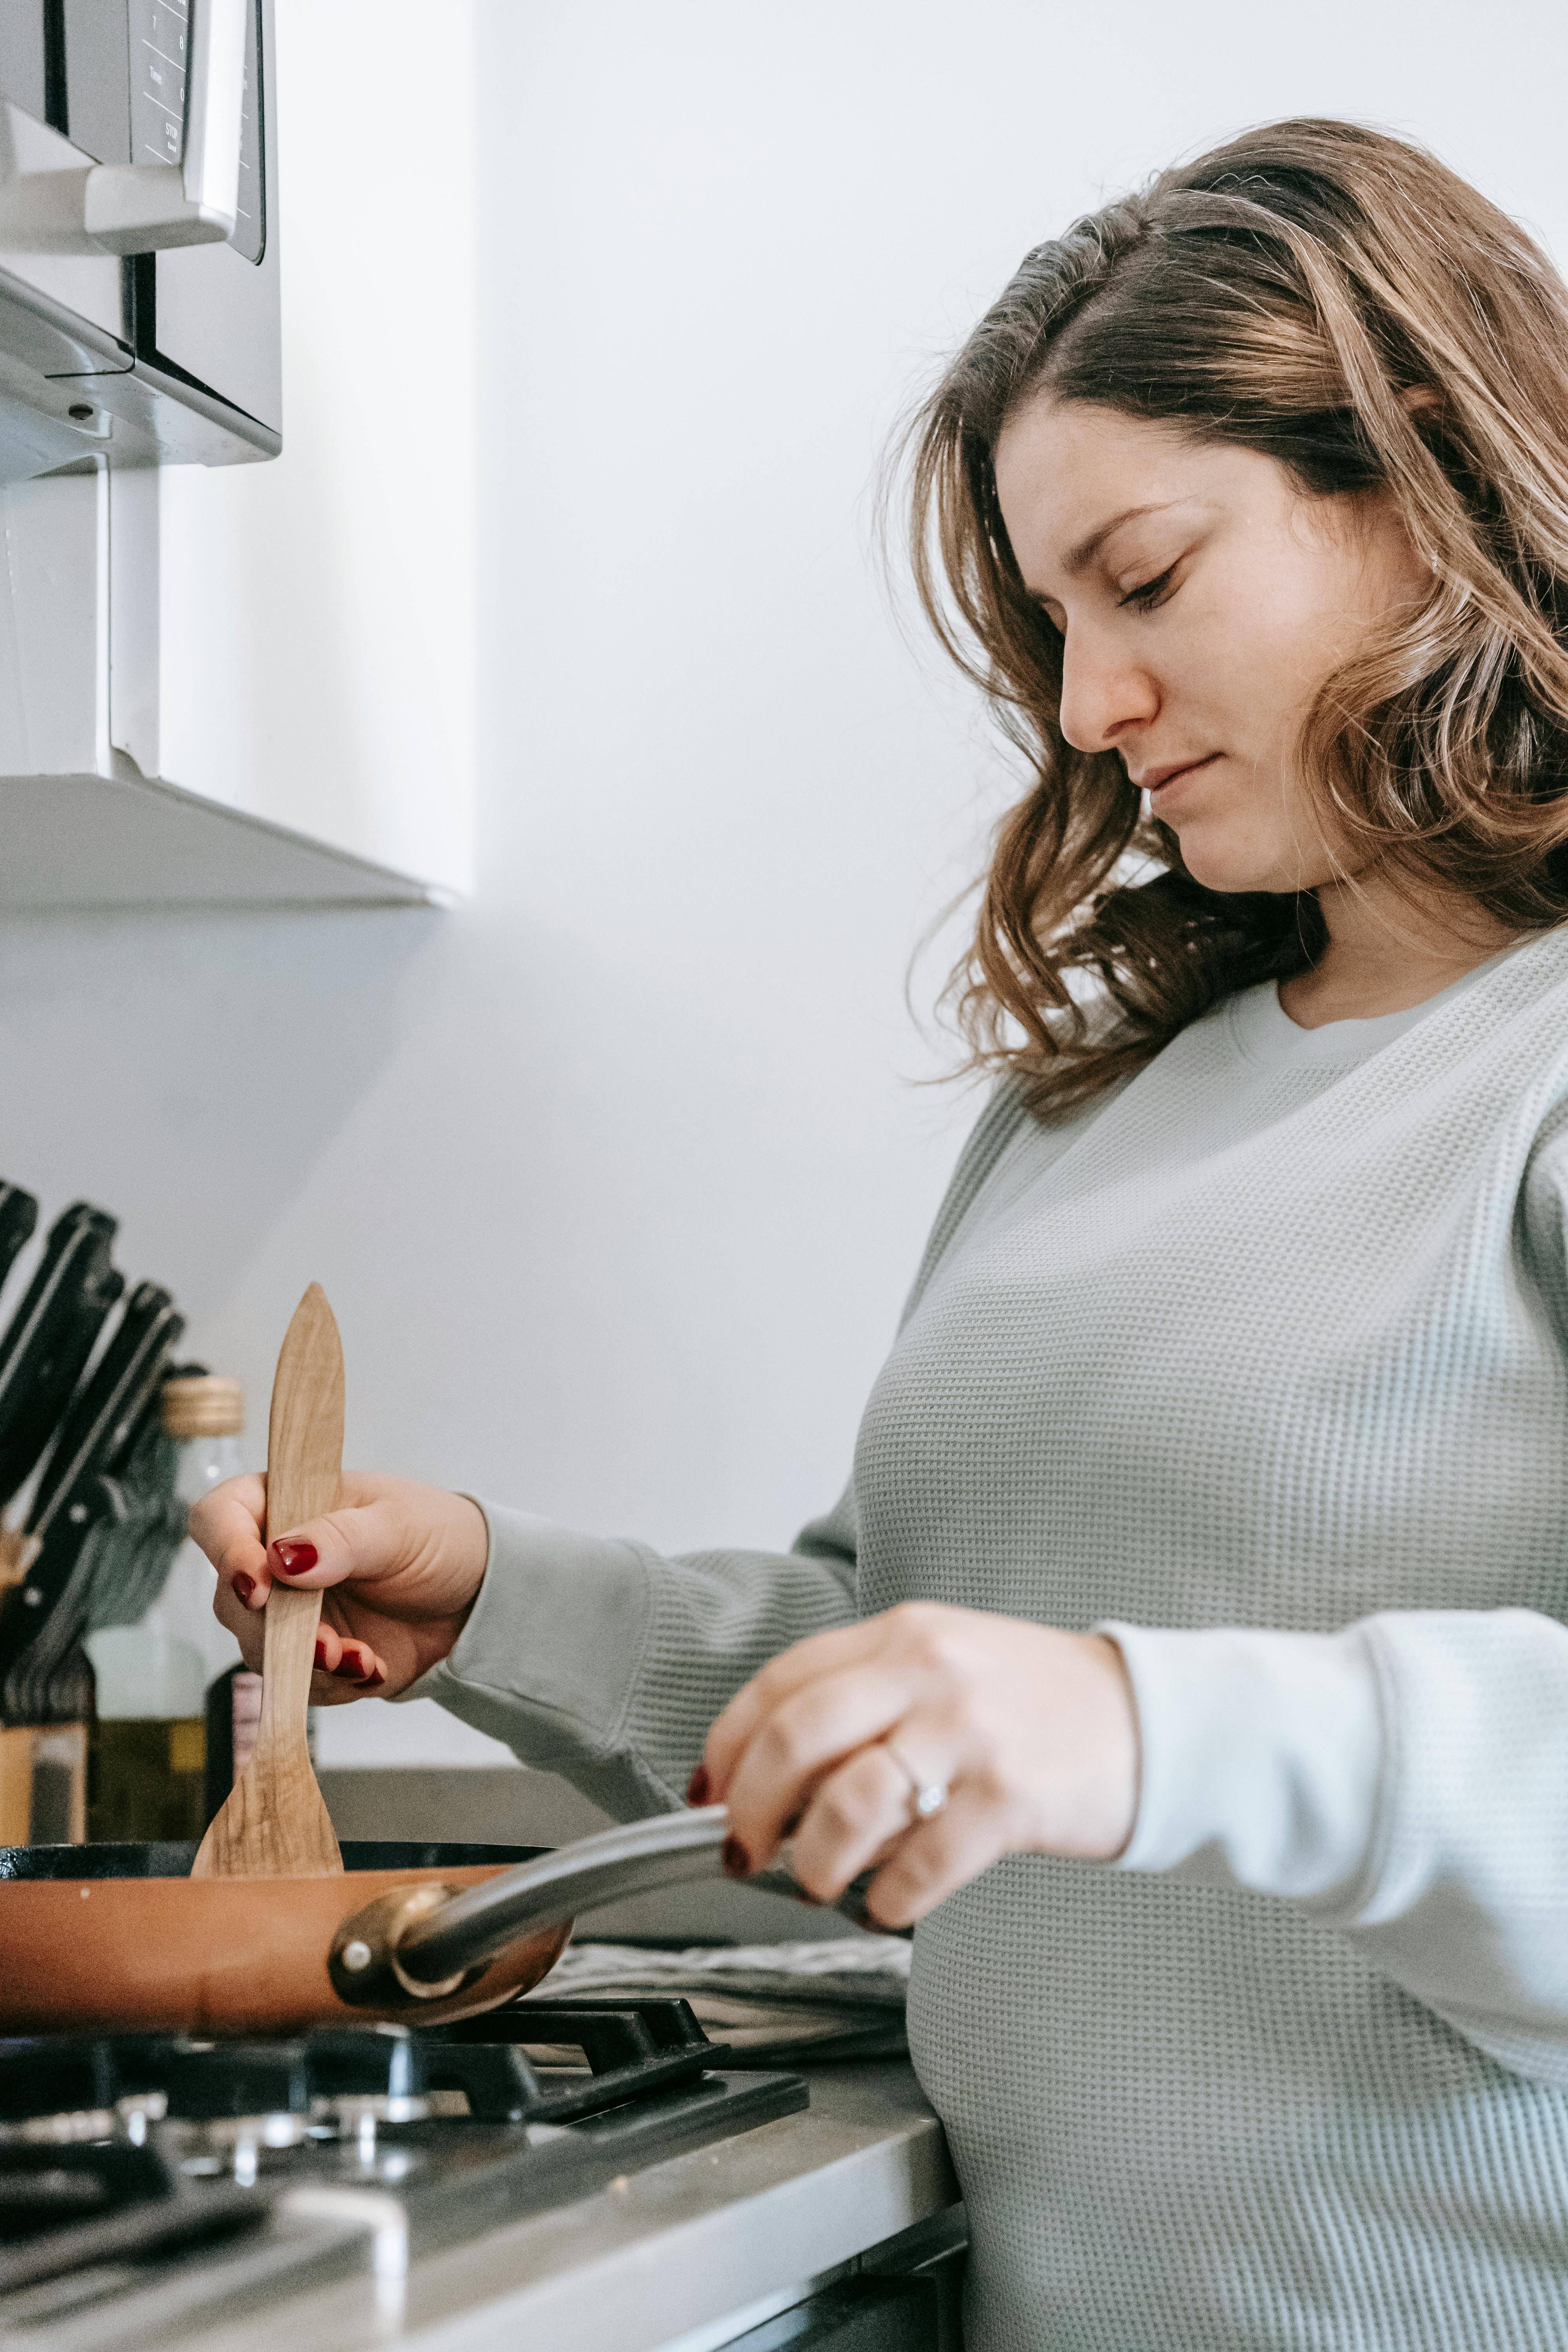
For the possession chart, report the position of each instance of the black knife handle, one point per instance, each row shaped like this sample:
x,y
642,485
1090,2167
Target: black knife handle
x,y
99,1419
41,1619
18,1219
51,1336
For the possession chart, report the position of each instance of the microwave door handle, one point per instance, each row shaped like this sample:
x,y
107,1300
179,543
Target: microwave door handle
x,y
151,207
214,111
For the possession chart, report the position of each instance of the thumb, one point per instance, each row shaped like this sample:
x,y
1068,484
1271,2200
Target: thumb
x,y
364,1542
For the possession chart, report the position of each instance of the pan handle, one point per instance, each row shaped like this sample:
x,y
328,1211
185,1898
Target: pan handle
x,y
424,1942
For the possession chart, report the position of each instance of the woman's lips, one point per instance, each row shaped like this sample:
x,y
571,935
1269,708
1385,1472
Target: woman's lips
x,y
1160,782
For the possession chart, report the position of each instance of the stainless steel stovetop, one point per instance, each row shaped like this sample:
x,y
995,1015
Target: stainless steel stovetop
x,y
153,2189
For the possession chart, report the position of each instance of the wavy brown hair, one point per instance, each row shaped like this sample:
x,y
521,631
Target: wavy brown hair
x,y
1340,301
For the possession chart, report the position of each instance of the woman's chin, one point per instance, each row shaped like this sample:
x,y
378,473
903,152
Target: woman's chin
x,y
1235,867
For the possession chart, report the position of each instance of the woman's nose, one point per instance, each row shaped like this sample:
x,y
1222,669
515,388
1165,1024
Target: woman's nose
x,y
1104,695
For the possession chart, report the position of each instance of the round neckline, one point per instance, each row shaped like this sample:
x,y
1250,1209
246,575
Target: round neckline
x,y
1264,1031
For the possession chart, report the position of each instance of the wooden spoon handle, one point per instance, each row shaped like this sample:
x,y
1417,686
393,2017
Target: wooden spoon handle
x,y
274,1823
304,1464
287,1658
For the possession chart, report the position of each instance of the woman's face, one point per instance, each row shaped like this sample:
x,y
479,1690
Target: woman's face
x,y
1202,600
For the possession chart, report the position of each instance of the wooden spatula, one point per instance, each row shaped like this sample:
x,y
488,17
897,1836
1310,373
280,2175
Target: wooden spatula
x,y
274,1823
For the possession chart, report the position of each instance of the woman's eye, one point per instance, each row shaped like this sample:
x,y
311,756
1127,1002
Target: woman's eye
x,y
1152,592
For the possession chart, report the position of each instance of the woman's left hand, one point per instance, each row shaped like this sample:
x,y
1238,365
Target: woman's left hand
x,y
1033,1733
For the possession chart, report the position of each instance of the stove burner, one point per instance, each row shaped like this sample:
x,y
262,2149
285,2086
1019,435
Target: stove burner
x,y
127,2146
44,2187
386,2071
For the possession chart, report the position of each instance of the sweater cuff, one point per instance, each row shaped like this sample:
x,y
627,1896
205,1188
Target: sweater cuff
x,y
1261,1756
548,1658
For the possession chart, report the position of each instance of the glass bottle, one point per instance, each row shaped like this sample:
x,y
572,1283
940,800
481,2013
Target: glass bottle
x,y
205,1414
147,1751
147,1755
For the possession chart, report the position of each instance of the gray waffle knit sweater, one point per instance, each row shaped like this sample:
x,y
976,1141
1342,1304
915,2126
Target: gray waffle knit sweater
x,y
1261,1362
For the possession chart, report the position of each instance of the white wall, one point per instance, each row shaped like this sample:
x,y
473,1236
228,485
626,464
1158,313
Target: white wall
x,y
617,1176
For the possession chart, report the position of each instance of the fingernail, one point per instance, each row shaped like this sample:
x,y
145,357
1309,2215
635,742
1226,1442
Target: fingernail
x,y
697,1786
350,1669
243,1586
373,1682
737,1861
295,1558
322,1655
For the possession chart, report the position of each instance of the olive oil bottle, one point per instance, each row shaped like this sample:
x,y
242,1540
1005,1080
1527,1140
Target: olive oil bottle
x,y
146,1767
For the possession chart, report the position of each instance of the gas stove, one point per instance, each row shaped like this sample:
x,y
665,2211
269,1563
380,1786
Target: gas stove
x,y
152,2188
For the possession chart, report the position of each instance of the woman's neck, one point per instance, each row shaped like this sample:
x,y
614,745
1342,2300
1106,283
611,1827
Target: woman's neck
x,y
1387,952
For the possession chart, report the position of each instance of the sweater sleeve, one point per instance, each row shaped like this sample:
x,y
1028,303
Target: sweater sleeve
x,y
605,1662
1406,1781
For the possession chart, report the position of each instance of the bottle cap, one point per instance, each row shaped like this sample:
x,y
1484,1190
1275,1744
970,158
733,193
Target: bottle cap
x,y
204,1405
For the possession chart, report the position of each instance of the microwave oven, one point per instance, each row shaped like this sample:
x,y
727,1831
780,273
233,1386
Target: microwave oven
x,y
139,316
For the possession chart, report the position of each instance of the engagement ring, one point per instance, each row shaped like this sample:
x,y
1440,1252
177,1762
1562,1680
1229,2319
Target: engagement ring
x,y
926,1797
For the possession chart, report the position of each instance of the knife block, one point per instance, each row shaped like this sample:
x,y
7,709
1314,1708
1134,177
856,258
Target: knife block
x,y
43,1784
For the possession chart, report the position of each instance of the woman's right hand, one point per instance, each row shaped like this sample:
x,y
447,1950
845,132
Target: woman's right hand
x,y
398,1567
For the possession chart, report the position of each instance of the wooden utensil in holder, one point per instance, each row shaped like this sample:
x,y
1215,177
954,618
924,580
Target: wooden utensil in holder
x,y
274,1823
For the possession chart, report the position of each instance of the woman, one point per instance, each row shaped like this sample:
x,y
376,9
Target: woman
x,y
1190,1644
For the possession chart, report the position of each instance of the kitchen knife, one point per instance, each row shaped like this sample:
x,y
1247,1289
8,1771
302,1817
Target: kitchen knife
x,y
77,1495
18,1216
95,1435
51,1336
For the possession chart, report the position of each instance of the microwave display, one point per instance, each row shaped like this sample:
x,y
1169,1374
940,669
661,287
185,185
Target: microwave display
x,y
158,32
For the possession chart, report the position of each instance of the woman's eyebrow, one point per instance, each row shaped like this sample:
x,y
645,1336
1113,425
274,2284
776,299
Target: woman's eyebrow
x,y
1088,548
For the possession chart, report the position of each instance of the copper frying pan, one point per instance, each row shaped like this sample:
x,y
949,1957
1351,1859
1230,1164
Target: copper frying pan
x,y
122,1938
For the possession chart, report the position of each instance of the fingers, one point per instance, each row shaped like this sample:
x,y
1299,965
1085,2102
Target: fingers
x,y
345,1667
343,1659
247,1624
228,1524
416,1554
800,1741
855,1812
937,1858
780,1679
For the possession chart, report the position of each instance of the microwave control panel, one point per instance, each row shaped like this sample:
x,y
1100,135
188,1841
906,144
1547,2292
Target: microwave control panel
x,y
110,74
197,327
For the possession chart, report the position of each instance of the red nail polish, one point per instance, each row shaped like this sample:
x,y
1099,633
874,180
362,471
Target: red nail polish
x,y
373,1682
350,1668
242,1586
697,1786
321,1655
295,1558
737,1861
